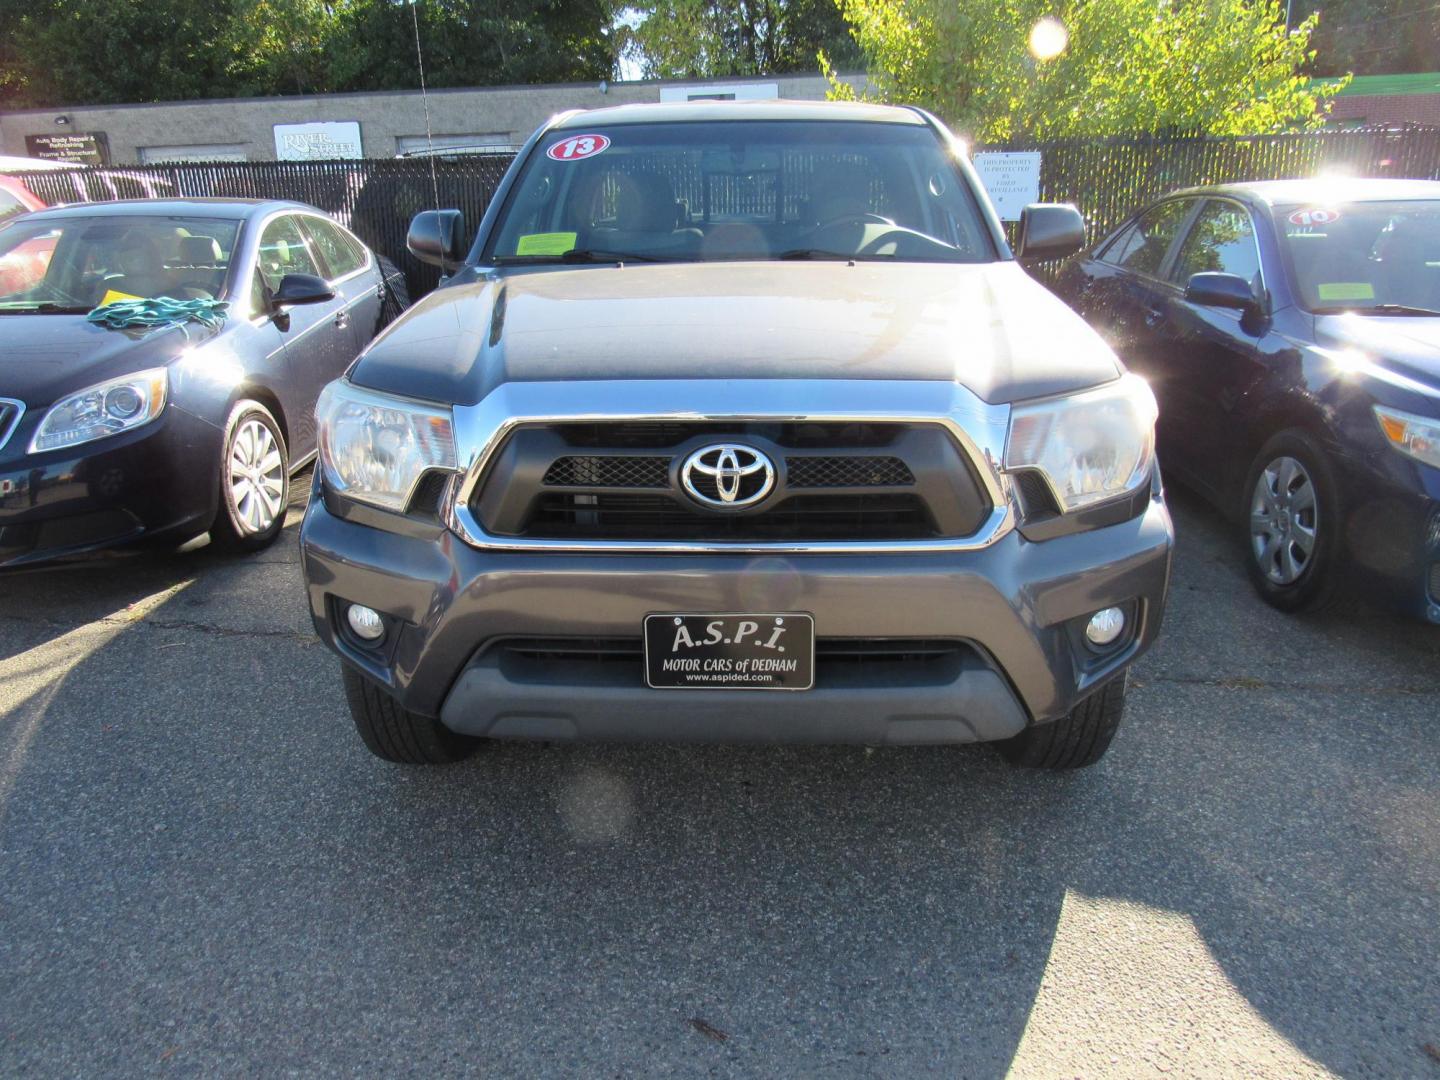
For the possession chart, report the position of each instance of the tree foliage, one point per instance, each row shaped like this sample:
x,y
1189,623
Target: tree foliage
x,y
700,39
1375,37
68,52
1226,67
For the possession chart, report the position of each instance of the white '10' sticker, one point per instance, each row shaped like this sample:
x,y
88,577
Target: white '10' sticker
x,y
578,147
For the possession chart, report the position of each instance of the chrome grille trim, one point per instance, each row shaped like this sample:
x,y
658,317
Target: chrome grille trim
x,y
977,427
10,413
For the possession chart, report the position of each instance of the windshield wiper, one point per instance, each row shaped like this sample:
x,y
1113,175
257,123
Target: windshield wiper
x,y
1379,309
815,253
580,255
42,307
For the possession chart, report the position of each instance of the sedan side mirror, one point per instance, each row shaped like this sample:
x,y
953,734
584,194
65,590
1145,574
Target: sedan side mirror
x,y
438,238
1050,231
1221,290
301,289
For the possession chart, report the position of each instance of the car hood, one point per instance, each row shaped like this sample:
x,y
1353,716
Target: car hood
x,y
1408,346
989,327
45,357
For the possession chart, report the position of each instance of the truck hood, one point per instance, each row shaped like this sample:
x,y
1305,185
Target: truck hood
x,y
990,327
1408,345
45,357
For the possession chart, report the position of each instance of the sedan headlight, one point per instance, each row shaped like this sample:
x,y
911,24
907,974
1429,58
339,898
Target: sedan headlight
x,y
1417,436
374,447
106,408
1092,446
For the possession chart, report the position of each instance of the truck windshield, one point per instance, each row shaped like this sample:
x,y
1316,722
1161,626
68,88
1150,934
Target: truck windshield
x,y
724,190
1380,257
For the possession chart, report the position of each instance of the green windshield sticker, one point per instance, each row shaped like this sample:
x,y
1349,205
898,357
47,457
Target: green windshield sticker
x,y
545,243
1347,290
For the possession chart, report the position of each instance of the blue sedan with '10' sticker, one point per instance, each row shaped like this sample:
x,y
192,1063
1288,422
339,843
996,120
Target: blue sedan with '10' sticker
x,y
1291,332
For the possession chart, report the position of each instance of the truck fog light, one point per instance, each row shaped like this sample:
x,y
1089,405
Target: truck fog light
x,y
365,622
1104,627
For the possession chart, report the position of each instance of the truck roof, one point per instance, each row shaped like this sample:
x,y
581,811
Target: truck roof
x,y
686,112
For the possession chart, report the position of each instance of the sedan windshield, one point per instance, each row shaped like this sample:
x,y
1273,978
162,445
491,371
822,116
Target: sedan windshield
x,y
69,264
1377,257
741,190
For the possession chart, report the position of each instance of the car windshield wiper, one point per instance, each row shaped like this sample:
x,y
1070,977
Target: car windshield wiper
x,y
1379,309
580,255
815,253
42,307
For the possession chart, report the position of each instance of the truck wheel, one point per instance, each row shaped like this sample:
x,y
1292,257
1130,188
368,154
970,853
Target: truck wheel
x,y
396,734
254,481
1292,523
1076,740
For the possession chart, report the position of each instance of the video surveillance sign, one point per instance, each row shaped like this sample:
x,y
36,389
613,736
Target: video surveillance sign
x,y
324,141
1011,180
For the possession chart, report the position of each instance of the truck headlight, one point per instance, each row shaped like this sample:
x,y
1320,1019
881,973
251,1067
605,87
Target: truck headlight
x,y
375,447
106,408
1417,436
1092,446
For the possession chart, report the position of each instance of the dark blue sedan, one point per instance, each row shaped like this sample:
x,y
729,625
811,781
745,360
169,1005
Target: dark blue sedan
x,y
1291,332
113,436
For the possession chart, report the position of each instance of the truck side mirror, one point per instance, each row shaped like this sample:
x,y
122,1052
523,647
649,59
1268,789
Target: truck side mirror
x,y
437,237
1050,231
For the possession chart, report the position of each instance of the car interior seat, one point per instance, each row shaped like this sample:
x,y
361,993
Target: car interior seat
x,y
140,270
647,218
198,268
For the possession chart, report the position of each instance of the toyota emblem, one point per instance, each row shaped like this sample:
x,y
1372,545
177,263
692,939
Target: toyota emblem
x,y
727,476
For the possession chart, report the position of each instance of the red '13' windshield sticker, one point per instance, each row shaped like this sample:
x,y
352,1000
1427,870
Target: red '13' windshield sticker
x,y
578,147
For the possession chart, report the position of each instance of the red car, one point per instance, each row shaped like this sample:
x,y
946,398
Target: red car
x,y
16,198
30,260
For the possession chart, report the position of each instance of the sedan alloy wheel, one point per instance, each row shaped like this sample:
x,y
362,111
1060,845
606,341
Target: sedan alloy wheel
x,y
1284,520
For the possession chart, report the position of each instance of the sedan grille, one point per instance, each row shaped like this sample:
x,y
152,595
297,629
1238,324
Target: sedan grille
x,y
9,419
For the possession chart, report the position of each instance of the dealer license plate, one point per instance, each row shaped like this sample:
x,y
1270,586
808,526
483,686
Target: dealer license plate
x,y
730,652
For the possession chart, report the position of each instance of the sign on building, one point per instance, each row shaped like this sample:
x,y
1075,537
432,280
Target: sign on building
x,y
318,141
722,92
194,152
80,147
1012,180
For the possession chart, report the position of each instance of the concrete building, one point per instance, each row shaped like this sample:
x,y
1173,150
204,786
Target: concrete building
x,y
374,125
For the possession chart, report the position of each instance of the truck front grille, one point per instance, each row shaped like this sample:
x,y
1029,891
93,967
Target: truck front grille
x,y
624,516
893,661
833,482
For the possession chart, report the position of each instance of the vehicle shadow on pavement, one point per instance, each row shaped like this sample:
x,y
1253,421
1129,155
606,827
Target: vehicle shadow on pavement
x,y
210,872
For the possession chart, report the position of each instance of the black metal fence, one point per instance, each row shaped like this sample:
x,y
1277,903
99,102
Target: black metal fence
x,y
1106,178
375,198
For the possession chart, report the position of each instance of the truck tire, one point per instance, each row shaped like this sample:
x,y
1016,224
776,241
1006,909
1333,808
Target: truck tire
x,y
1076,740
393,733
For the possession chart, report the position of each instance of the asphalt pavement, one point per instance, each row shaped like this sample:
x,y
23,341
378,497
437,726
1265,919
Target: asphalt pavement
x,y
203,872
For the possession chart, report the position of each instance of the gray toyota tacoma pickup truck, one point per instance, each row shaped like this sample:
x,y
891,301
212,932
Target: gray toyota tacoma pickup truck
x,y
738,421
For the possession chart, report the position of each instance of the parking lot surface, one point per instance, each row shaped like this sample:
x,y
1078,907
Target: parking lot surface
x,y
202,871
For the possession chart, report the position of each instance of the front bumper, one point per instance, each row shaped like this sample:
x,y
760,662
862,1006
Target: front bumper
x,y
1392,530
1015,606
156,481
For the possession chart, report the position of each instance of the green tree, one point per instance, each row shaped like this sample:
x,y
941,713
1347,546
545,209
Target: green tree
x,y
1374,37
1216,66
70,52
700,39
64,52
